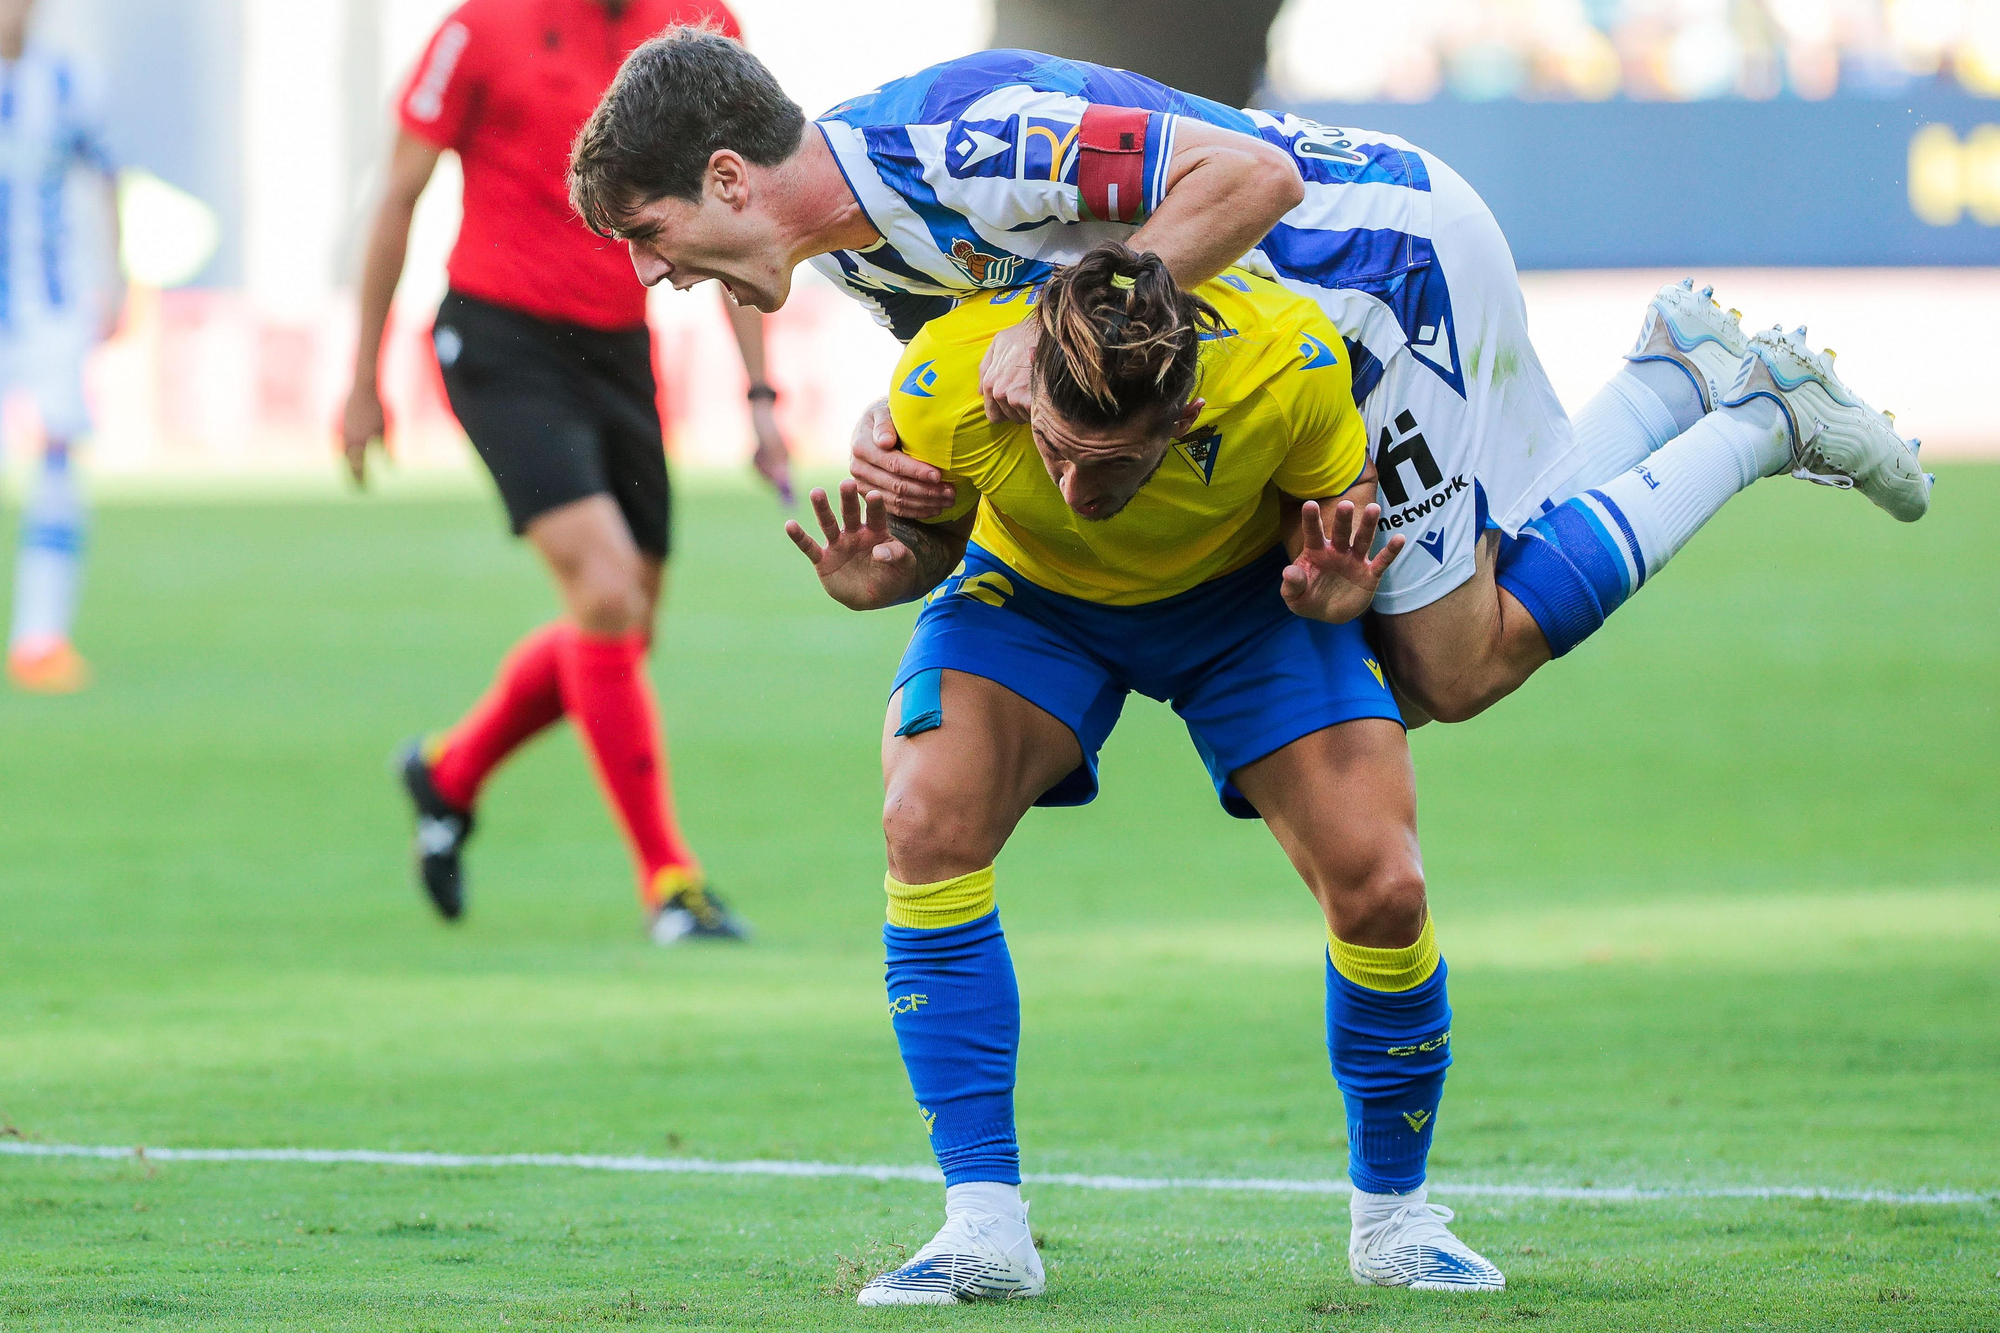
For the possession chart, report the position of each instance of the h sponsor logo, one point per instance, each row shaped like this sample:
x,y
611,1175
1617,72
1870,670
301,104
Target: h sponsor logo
x,y
1411,448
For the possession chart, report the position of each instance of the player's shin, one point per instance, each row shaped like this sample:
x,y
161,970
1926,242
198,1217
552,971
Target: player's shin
x,y
957,1016
1641,408
1388,1033
1575,565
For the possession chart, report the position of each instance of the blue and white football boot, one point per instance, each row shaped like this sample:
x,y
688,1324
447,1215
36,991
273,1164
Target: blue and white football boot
x,y
1837,439
974,1257
1408,1245
1688,328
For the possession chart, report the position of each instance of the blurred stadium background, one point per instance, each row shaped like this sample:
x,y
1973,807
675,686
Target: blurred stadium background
x,y
1833,161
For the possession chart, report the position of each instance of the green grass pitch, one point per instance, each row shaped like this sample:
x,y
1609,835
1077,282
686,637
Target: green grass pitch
x,y
1719,893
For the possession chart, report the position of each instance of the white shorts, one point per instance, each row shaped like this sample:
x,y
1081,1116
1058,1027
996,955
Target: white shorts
x,y
45,361
1463,417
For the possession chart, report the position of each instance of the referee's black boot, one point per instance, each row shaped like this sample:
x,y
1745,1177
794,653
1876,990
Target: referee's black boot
x,y
442,829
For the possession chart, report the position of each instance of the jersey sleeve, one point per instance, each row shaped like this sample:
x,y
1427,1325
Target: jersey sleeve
x,y
443,91
1019,157
1329,442
933,413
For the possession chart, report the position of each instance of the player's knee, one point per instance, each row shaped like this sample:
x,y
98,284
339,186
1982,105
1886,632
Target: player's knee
x,y
1380,904
931,839
1454,692
1452,701
606,596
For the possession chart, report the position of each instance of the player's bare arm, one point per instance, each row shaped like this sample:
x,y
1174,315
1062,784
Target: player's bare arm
x,y
362,421
1225,191
870,562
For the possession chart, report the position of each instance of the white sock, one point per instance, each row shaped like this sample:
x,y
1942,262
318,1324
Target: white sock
x,y
49,565
1638,410
1370,1210
1667,498
985,1196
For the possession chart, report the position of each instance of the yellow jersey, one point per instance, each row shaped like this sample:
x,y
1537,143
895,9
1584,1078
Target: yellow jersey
x,y
1280,419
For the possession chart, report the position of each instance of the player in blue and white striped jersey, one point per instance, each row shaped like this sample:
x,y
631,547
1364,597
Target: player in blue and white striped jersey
x,y
988,171
59,296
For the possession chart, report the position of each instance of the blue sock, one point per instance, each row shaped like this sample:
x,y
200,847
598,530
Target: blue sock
x,y
1390,1049
957,1016
1572,567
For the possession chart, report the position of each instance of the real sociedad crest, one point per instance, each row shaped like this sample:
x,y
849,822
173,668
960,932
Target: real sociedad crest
x,y
984,269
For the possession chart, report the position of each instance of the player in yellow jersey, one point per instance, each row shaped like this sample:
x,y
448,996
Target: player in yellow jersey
x,y
1130,536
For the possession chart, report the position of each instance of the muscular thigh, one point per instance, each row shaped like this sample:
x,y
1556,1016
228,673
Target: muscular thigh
x,y
1342,802
953,793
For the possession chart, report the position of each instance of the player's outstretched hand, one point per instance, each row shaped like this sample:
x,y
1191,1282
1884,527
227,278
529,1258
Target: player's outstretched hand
x,y
1332,579
861,566
913,489
1004,373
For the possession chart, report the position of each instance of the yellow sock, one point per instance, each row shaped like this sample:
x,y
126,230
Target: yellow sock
x,y
949,902
1387,969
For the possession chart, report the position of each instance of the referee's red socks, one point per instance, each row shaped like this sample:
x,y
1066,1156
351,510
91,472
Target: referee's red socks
x,y
601,683
526,696
609,698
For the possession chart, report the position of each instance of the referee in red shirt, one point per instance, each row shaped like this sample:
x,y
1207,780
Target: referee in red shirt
x,y
548,363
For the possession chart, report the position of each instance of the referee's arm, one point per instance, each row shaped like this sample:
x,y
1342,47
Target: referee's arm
x,y
411,163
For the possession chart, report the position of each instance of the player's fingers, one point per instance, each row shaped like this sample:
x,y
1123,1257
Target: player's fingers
x,y
1386,556
877,516
1309,526
823,511
807,545
1343,526
1365,527
1016,400
890,552
850,505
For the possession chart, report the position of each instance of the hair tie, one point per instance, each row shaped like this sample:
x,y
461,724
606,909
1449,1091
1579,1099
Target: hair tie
x,y
1121,282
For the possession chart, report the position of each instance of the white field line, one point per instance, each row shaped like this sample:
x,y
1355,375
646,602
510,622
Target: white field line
x,y
695,1166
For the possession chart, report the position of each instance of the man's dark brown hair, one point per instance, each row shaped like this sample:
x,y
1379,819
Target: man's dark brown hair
x,y
1120,338
677,100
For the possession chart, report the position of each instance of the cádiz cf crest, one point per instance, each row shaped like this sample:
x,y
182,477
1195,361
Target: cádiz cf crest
x,y
1198,451
984,269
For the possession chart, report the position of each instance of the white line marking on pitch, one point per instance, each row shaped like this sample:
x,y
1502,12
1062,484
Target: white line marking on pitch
x,y
695,1166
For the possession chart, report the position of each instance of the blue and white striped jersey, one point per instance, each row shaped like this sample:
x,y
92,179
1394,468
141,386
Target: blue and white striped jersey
x,y
50,124
989,171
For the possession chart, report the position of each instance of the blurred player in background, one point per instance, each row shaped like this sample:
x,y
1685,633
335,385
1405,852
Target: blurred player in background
x,y
60,295
548,364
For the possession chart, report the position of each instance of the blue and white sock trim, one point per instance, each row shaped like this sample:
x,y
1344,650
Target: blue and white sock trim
x,y
1572,567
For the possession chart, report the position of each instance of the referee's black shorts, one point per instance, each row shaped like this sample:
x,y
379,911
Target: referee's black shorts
x,y
558,412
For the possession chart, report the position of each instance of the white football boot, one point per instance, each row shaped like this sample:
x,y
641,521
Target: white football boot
x,y
1402,1241
1837,439
975,1256
1688,328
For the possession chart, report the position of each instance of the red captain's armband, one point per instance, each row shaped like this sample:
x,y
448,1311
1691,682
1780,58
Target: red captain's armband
x,y
1111,166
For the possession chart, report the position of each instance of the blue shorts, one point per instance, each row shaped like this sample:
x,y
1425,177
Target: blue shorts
x,y
1246,675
